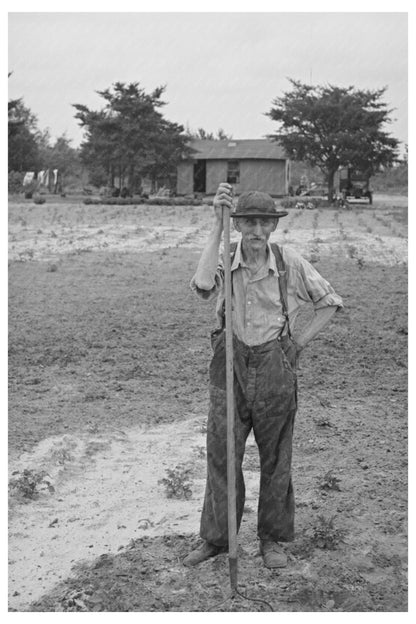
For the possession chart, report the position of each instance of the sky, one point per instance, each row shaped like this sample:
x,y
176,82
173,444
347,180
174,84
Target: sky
x,y
221,69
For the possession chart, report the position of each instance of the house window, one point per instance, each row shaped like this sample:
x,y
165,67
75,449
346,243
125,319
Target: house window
x,y
233,172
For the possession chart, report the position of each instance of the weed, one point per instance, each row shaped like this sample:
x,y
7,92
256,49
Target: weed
x,y
323,421
178,482
329,482
61,456
203,426
353,254
199,451
28,483
352,251
314,257
325,535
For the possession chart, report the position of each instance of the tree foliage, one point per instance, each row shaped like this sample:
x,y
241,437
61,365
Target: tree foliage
x,y
58,154
31,149
22,146
330,126
221,135
129,137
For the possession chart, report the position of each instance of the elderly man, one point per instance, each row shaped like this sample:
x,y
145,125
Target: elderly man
x,y
269,284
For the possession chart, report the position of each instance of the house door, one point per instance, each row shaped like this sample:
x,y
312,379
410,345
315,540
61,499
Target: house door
x,y
200,176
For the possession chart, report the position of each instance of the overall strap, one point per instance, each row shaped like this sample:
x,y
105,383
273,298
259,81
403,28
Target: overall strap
x,y
281,269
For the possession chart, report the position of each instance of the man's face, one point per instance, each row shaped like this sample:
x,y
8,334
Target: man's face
x,y
255,231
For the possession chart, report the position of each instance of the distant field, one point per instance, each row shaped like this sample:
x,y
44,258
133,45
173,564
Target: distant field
x,y
49,231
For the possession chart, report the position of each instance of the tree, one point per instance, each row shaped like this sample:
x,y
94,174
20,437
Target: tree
x,y
169,147
58,154
129,136
209,136
329,127
22,146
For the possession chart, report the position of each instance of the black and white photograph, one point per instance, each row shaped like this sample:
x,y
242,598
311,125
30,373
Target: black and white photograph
x,y
207,308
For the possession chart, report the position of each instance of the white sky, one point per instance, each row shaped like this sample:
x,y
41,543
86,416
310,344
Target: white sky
x,y
220,69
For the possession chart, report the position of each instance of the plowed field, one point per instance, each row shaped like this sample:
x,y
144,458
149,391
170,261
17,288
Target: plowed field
x,y
108,366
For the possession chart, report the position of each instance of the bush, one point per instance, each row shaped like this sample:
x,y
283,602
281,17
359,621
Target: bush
x,y
326,535
392,180
29,483
15,182
178,482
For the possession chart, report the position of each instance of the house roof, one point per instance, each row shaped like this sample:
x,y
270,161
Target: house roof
x,y
231,149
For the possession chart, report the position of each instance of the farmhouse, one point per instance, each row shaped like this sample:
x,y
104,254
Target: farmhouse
x,y
250,164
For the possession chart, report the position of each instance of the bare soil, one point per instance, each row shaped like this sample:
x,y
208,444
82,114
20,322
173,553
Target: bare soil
x,y
108,359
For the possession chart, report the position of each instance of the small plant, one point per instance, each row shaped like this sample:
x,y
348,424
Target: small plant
x,y
203,426
323,421
352,251
325,535
28,483
199,451
39,200
330,482
178,482
360,262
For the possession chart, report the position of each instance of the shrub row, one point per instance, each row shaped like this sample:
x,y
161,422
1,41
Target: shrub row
x,y
151,201
304,202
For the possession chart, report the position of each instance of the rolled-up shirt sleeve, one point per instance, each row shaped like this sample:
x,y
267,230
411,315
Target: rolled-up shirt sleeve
x,y
218,283
311,286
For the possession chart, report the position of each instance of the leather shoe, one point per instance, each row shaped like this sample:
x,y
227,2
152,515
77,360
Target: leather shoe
x,y
273,554
202,553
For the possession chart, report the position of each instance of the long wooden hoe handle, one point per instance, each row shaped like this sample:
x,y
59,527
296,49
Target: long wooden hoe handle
x,y
231,482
